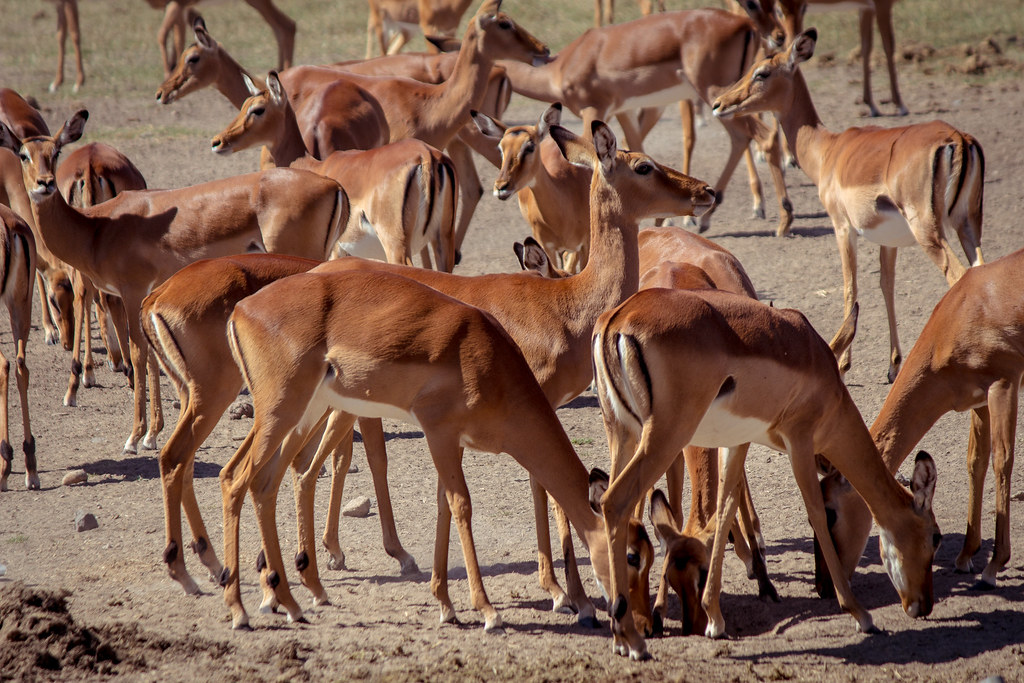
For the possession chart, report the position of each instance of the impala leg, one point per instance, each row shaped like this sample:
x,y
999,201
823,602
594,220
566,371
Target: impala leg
x,y
979,449
140,358
757,568
439,573
80,312
756,189
470,190
337,431
6,452
738,143
47,312
730,469
62,34
449,471
234,481
883,14
341,460
118,320
674,484
372,431
89,293
777,171
70,8
545,568
586,613
867,25
267,474
283,27
156,409
805,471
1002,405
887,282
846,240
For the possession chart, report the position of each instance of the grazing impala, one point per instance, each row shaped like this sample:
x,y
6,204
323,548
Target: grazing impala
x,y
792,15
709,368
552,320
92,174
402,195
130,244
18,247
652,62
896,187
968,357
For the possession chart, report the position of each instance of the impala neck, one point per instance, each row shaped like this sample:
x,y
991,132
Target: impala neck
x,y
612,273
65,232
802,126
229,79
289,146
858,459
465,88
535,82
905,418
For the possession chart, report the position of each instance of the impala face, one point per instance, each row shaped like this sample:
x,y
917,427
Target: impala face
x,y
39,155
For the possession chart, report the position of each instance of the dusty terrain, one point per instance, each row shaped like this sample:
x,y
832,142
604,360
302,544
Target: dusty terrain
x,y
85,605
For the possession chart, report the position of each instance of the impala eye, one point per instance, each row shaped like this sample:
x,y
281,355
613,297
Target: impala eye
x,y
194,59
505,24
528,148
644,168
258,111
762,75
633,559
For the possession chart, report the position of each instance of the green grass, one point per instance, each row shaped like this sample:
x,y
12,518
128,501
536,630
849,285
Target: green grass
x,y
121,56
18,538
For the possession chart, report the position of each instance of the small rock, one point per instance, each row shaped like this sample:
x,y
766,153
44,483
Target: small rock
x,y
902,478
1018,496
353,468
240,410
84,521
3,569
75,477
359,507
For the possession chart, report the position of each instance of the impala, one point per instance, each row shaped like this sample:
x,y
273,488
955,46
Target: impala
x,y
131,243
92,174
894,186
393,22
18,247
968,357
402,195
792,15
437,363
56,296
709,368
552,320
67,22
652,62
184,321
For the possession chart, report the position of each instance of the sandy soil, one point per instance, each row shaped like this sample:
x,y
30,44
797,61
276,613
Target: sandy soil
x,y
83,605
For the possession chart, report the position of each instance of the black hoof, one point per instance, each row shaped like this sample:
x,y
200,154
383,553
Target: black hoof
x,y
981,585
589,622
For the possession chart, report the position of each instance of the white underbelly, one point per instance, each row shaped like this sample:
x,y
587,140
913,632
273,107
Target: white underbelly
x,y
659,98
721,428
891,230
362,240
326,398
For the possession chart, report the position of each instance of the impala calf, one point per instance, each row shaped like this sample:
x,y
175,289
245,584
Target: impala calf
x,y
429,360
709,368
894,186
131,243
402,195
18,249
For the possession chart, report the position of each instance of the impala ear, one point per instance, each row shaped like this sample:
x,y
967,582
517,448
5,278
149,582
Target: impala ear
x,y
488,126
532,256
250,85
203,37
802,48
922,483
277,93
552,116
572,147
72,129
604,145
8,139
598,485
487,13
662,518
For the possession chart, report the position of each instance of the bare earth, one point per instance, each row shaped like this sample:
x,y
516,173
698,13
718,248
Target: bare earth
x,y
138,623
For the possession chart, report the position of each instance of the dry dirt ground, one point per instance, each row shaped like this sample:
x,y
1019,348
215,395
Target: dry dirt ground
x,y
86,605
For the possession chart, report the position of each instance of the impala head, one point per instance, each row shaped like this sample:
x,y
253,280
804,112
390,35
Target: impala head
x,y
39,154
259,120
502,38
908,544
520,149
768,86
790,14
765,16
639,559
197,66
641,186
686,564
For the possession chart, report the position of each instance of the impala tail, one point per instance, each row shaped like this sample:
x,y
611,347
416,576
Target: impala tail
x,y
959,170
436,202
623,381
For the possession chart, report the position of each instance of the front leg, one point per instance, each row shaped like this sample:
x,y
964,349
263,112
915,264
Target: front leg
x,y
140,358
730,470
846,240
